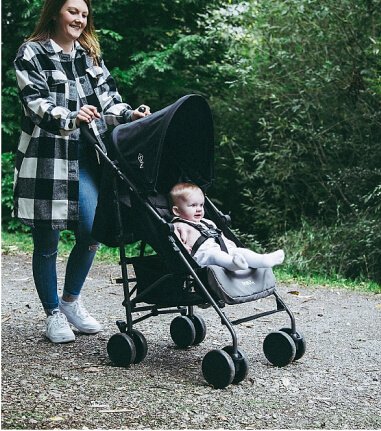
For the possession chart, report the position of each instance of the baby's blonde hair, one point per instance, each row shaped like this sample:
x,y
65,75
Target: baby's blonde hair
x,y
182,191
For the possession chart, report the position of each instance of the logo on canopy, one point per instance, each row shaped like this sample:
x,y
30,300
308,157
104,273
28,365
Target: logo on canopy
x,y
141,160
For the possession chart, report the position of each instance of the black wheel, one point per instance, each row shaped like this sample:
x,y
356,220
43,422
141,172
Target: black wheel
x,y
300,342
183,331
218,368
200,327
121,350
279,348
140,345
241,364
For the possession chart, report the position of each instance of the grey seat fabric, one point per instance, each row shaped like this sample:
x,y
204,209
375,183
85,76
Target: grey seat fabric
x,y
240,286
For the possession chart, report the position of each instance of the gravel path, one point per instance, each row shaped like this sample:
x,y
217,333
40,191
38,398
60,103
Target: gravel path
x,y
336,385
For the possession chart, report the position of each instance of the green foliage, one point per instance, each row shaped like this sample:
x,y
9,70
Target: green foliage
x,y
308,279
315,118
295,91
350,250
7,167
7,162
22,243
18,20
306,141
153,60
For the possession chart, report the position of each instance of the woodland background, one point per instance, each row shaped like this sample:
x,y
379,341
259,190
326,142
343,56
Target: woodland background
x,y
294,87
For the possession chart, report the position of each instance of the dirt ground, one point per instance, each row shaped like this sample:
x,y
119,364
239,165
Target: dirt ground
x,y
336,385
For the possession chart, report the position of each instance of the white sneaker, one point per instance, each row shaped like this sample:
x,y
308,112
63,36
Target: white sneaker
x,y
58,329
78,316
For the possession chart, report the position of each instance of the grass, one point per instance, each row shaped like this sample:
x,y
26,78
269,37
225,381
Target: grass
x,y
289,277
22,243
12,243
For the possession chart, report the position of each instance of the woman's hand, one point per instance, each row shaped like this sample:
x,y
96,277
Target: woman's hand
x,y
140,112
86,114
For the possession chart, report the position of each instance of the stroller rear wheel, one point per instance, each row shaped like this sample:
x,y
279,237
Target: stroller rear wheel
x,y
121,350
241,364
200,327
218,368
183,331
279,348
300,342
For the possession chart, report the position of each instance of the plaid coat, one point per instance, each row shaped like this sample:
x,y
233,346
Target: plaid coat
x,y
52,87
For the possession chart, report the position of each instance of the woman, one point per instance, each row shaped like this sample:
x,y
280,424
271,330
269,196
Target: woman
x,y
63,82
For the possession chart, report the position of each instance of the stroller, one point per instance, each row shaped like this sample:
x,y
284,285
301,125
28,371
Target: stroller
x,y
145,159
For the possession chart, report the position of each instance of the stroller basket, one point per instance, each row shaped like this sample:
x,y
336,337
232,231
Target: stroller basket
x,y
157,285
147,157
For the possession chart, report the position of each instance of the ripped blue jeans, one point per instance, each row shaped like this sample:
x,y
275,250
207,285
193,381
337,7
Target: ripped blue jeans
x,y
82,255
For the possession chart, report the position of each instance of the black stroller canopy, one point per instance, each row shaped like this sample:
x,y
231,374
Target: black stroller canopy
x,y
174,143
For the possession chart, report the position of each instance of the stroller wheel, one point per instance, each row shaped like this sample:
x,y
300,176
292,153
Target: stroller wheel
x,y
241,364
279,348
183,331
200,327
121,350
300,342
140,345
218,368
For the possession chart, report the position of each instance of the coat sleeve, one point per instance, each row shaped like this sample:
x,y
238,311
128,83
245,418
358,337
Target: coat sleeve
x,y
37,100
114,111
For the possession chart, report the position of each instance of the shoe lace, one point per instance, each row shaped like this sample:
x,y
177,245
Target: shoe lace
x,y
59,320
80,309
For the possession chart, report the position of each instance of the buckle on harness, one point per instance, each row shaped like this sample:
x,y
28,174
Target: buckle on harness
x,y
211,233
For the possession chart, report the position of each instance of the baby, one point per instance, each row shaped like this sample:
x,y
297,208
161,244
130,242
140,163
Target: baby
x,y
204,241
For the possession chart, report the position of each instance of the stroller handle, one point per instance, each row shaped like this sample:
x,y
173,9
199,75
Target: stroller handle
x,y
88,134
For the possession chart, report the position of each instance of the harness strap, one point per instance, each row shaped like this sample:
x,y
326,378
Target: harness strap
x,y
209,232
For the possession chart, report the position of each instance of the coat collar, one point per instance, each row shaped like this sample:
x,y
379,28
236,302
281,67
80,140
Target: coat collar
x,y
53,48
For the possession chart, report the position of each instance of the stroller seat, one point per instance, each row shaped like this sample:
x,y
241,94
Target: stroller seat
x,y
226,286
149,156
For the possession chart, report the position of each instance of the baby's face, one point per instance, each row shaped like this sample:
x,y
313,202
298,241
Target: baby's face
x,y
191,208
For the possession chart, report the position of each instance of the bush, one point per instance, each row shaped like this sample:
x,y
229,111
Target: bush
x,y
7,164
351,249
8,222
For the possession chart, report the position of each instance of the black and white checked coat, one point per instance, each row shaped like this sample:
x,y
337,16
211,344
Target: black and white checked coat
x,y
52,87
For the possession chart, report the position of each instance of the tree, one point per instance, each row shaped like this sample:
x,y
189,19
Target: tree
x,y
295,92
307,76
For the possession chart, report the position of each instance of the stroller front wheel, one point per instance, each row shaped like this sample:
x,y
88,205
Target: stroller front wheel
x,y
241,364
121,350
279,348
299,340
218,368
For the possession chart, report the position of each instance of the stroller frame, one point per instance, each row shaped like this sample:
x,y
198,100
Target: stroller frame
x,y
219,367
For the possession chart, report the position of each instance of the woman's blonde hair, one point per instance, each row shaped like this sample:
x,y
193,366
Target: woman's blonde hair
x,y
182,191
46,25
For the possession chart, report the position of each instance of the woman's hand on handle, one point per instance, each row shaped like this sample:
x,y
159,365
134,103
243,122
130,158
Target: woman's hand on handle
x,y
87,114
140,112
